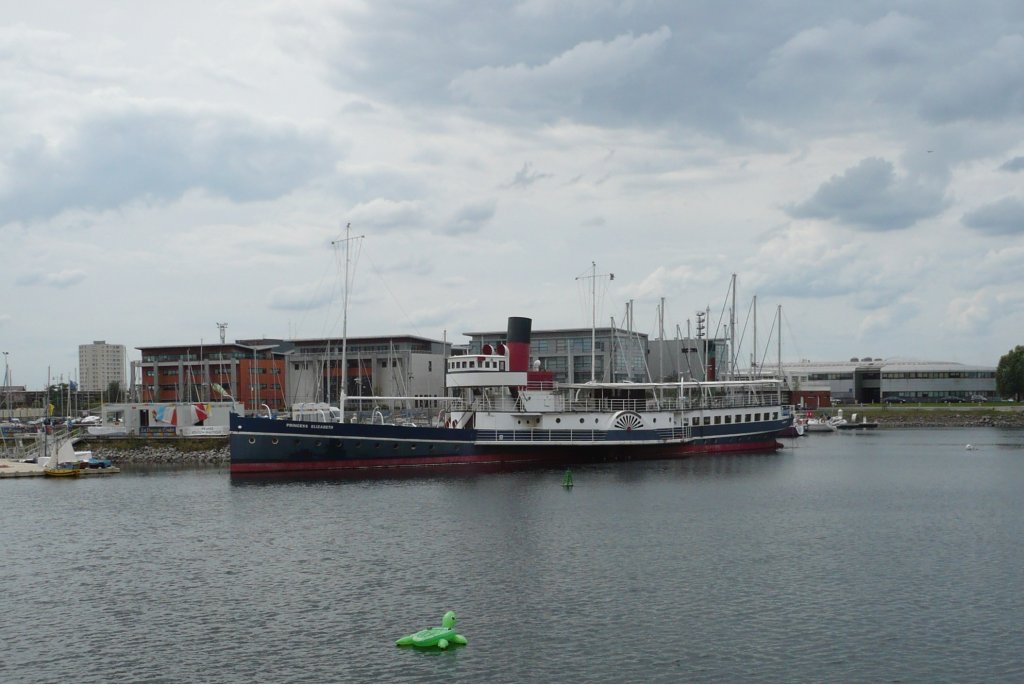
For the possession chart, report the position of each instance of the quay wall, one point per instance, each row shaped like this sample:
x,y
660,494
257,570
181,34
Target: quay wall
x,y
159,451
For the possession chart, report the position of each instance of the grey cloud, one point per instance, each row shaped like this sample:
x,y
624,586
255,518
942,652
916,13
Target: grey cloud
x,y
1003,217
115,157
527,176
872,197
1015,164
298,298
60,279
471,218
989,86
566,78
699,66
387,215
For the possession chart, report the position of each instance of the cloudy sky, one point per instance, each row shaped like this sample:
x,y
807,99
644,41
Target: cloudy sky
x,y
168,166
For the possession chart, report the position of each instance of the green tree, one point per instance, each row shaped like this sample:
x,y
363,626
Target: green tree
x,y
1010,374
114,391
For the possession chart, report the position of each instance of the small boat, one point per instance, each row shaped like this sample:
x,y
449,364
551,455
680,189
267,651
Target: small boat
x,y
63,470
853,424
796,430
819,426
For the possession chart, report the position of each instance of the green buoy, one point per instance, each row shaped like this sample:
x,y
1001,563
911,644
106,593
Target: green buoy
x,y
567,480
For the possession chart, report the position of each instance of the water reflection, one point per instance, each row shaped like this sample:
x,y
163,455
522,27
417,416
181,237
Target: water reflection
x,y
696,466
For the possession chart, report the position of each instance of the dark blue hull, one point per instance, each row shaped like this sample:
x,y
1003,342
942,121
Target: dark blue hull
x,y
276,445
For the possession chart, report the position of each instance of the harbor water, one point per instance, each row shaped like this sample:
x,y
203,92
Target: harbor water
x,y
872,556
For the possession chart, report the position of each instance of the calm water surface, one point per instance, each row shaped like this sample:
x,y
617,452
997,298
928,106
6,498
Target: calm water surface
x,y
882,556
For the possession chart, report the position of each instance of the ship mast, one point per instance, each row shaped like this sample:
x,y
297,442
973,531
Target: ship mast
x,y
344,317
593,315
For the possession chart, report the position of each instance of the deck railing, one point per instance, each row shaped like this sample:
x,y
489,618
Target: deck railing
x,y
572,435
593,405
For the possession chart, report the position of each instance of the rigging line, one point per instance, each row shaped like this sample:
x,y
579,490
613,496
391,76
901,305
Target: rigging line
x,y
743,333
346,289
316,291
725,305
405,314
792,337
768,343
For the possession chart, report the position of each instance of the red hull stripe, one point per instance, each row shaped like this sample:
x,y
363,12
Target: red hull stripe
x,y
674,451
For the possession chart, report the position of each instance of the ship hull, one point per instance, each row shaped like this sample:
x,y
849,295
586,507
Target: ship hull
x,y
260,445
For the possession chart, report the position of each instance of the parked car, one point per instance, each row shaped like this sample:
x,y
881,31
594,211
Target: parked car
x,y
952,398
892,399
979,398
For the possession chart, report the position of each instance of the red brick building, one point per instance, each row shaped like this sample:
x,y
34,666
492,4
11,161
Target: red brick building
x,y
250,374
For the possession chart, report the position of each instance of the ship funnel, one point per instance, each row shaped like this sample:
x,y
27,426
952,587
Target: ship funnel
x,y
519,343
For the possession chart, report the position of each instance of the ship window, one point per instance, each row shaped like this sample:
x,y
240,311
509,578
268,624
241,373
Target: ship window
x,y
413,448
728,419
757,416
376,445
501,366
775,415
252,441
319,443
558,420
654,420
581,420
738,418
472,365
273,441
595,420
707,420
718,420
747,418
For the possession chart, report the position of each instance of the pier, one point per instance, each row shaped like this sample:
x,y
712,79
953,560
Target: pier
x,y
18,469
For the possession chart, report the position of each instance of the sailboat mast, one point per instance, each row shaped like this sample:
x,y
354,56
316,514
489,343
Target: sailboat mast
x,y
593,320
344,328
754,362
732,332
778,316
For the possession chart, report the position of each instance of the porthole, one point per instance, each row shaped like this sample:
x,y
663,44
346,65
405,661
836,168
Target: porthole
x,y
376,445
319,443
581,420
558,420
413,448
654,420
595,419
252,441
273,441
358,444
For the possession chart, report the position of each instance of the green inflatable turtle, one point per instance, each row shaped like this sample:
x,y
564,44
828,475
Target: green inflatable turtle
x,y
435,637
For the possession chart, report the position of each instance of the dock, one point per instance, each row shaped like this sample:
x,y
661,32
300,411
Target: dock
x,y
17,469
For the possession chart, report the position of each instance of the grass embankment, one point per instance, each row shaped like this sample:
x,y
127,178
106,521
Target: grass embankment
x,y
937,416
